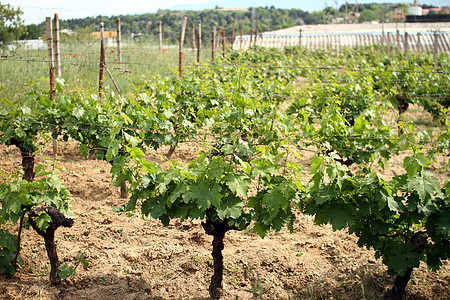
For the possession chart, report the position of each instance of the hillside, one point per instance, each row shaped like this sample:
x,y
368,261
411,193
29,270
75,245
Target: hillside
x,y
263,18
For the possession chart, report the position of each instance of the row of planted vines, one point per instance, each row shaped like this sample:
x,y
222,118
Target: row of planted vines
x,y
253,115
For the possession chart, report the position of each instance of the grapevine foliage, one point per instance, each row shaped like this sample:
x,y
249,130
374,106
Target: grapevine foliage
x,y
251,119
17,197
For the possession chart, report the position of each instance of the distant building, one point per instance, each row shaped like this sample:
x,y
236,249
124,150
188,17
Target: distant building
x,y
426,11
415,10
232,9
437,14
63,33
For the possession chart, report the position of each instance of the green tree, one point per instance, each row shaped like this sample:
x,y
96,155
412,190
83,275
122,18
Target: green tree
x,y
32,32
11,26
367,16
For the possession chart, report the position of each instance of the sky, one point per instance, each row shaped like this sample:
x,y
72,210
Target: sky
x,y
36,11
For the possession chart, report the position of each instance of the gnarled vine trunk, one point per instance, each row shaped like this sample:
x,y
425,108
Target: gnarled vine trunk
x,y
58,219
27,160
402,107
402,104
398,291
28,175
217,230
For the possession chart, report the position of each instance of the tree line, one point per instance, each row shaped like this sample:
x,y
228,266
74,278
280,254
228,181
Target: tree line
x,y
259,19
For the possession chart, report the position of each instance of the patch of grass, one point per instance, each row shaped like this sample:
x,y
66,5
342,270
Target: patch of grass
x,y
234,269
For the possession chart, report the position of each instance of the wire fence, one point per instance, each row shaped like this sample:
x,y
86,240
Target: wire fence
x,y
416,42
135,62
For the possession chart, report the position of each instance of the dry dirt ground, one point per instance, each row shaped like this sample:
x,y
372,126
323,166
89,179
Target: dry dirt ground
x,y
133,258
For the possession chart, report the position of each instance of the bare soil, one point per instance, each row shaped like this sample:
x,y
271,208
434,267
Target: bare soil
x,y
133,258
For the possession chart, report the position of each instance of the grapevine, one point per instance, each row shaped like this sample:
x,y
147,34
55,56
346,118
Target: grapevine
x,y
251,120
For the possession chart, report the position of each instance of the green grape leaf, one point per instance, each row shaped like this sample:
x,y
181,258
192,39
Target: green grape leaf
x,y
6,259
260,228
78,112
392,204
43,220
216,168
204,194
315,164
401,257
274,200
414,163
237,184
65,271
154,206
179,190
231,208
11,204
339,216
425,184
325,193
7,240
443,224
196,213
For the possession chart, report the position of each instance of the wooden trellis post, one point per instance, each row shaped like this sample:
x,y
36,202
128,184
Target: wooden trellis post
x,y
435,52
242,34
119,42
213,42
102,60
50,55
223,43
199,40
339,44
232,34
193,37
388,42
48,23
180,61
56,44
218,37
160,36
406,45
300,38
419,45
